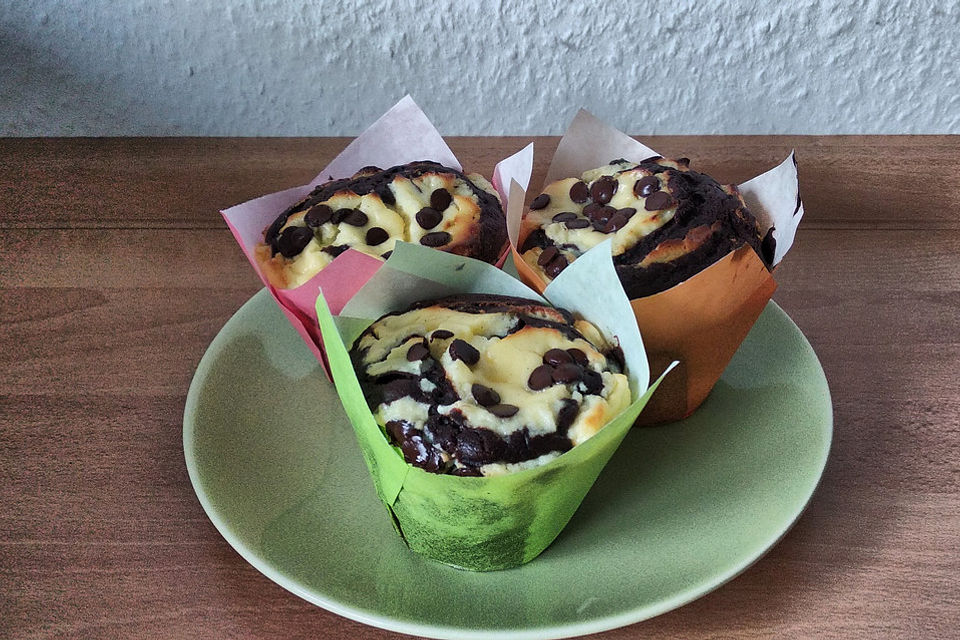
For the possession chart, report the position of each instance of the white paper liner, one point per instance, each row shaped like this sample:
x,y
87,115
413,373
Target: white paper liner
x,y
774,198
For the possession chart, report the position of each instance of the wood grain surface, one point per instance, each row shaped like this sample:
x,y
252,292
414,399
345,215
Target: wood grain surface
x,y
116,271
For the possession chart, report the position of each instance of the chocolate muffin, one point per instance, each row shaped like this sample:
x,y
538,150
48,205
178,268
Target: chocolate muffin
x,y
667,223
421,202
482,385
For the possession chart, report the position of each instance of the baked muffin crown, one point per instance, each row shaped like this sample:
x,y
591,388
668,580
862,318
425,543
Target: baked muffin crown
x,y
667,221
487,384
422,202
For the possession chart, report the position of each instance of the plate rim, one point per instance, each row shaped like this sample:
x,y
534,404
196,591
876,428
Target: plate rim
x,y
567,630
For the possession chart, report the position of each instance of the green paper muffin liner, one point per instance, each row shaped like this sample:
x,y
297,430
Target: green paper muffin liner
x,y
483,523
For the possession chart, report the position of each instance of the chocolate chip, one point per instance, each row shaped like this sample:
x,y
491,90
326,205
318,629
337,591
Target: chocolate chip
x,y
579,223
591,209
579,192
603,189
565,216
684,161
645,186
567,414
617,221
651,159
441,334
540,201
463,350
627,212
336,250
657,201
541,377
547,255
556,265
417,351
340,215
293,240
376,235
578,356
592,382
428,217
602,214
440,199
386,254
567,372
318,215
436,239
386,196
503,410
271,235
556,357
356,218
485,396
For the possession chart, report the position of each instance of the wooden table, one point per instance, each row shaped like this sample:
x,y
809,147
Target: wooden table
x,y
117,271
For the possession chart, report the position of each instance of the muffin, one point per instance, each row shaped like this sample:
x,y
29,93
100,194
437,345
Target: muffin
x,y
667,223
485,385
421,202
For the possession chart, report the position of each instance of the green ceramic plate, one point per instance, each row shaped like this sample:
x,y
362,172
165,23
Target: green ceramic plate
x,y
679,510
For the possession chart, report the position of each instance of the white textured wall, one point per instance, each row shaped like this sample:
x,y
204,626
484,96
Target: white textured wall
x,y
306,67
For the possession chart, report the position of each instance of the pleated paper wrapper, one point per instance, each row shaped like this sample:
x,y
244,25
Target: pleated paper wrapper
x,y
403,134
702,321
482,523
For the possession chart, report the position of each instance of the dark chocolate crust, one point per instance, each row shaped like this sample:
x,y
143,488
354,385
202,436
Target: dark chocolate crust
x,y
469,447
719,217
702,202
492,232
